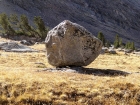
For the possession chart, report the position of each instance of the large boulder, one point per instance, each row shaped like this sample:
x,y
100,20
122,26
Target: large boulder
x,y
70,44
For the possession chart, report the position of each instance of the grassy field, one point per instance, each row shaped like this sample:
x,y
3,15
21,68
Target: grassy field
x,y
23,81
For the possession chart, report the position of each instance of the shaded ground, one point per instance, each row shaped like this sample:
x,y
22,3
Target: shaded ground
x,y
90,71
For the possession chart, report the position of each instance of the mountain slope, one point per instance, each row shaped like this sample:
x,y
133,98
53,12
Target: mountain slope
x,y
109,16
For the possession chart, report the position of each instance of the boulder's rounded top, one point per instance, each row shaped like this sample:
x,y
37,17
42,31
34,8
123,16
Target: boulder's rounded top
x,y
66,22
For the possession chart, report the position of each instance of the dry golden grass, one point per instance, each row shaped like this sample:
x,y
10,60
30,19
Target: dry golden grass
x,y
20,83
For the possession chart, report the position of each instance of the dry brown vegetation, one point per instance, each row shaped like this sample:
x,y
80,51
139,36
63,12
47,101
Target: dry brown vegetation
x,y
22,83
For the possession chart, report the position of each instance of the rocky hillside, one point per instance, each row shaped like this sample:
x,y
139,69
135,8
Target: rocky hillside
x,y
109,16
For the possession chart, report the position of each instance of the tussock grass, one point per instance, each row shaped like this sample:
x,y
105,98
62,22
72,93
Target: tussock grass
x,y
21,84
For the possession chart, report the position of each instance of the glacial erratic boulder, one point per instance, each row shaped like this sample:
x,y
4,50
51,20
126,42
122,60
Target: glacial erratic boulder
x,y
69,44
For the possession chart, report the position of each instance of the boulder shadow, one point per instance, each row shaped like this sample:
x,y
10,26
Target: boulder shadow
x,y
89,71
100,72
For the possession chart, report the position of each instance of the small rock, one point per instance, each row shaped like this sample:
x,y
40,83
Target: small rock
x,y
128,50
104,50
112,51
24,42
28,43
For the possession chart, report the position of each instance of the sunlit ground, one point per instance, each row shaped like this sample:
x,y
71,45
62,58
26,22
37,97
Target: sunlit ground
x,y
22,83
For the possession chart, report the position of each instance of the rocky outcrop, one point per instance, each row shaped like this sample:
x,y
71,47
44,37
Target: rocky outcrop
x,y
15,47
70,44
109,16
